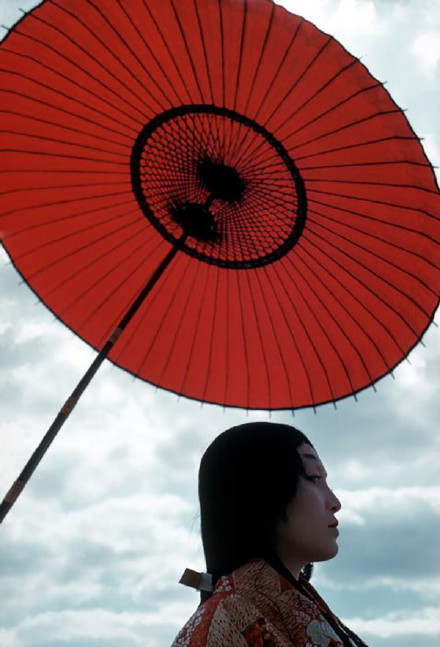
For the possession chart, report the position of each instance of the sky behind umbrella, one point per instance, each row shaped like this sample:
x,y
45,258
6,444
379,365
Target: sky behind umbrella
x,y
92,552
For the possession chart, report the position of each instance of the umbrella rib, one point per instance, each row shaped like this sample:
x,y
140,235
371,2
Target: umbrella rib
x,y
61,155
334,107
156,59
133,330
326,85
280,65
237,275
381,202
196,329
315,223
222,49
370,183
337,149
210,141
188,51
268,233
306,331
243,336
205,53
376,115
57,72
96,259
168,48
289,329
40,246
260,338
378,276
165,315
59,202
204,135
240,55
106,299
356,165
56,171
63,141
375,220
347,312
352,294
132,52
366,267
272,325
67,112
276,109
319,323
114,268
172,149
262,51
227,337
65,96
108,329
175,137
46,187
235,154
211,336
242,226
63,127
62,258
387,241
89,54
58,219
260,190
269,159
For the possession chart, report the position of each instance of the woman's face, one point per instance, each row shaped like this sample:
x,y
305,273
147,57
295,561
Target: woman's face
x,y
309,532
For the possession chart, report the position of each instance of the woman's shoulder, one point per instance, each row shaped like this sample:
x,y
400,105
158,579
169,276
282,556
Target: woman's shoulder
x,y
227,619
256,607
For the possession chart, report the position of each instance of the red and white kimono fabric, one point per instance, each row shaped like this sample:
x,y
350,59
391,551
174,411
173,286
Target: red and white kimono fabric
x,y
257,607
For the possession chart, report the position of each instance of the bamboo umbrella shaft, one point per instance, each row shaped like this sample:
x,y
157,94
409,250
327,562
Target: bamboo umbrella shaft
x,y
72,400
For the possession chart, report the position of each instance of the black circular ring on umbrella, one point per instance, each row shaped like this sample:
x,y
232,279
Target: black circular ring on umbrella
x,y
190,177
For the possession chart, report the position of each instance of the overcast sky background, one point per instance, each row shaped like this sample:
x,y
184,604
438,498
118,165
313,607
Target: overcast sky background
x,y
92,552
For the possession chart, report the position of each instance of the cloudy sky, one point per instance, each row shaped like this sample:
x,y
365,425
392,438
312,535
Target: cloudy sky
x,y
93,550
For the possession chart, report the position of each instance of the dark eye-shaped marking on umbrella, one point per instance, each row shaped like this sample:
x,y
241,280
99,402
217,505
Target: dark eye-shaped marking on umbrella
x,y
222,182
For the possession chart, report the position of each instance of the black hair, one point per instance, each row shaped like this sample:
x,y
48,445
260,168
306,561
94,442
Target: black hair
x,y
247,476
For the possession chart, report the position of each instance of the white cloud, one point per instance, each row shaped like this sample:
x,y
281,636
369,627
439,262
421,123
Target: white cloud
x,y
402,623
427,49
403,500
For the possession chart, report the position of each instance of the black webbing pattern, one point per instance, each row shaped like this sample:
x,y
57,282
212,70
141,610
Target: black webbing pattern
x,y
259,225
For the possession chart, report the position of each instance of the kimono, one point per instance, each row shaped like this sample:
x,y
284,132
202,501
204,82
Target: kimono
x,y
256,607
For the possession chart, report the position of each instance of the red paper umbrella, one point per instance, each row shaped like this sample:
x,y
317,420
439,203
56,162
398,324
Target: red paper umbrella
x,y
227,185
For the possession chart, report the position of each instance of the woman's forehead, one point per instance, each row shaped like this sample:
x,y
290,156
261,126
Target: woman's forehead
x,y
310,457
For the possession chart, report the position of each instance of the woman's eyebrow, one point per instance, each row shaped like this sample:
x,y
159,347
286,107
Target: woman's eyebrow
x,y
317,461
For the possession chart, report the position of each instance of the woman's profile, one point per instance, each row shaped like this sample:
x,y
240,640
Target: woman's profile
x,y
267,514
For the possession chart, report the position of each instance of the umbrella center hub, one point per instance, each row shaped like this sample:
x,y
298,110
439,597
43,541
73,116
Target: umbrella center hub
x,y
222,181
196,220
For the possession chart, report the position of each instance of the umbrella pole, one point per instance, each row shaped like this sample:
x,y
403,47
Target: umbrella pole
x,y
72,400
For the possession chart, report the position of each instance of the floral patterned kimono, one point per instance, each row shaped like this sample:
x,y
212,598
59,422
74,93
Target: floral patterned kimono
x,y
257,607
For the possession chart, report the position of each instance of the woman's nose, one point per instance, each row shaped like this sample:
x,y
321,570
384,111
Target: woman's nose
x,y
336,505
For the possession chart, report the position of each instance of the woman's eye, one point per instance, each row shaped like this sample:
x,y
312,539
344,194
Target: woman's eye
x,y
313,477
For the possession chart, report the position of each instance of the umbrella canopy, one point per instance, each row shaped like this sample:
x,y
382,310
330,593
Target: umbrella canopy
x,y
303,209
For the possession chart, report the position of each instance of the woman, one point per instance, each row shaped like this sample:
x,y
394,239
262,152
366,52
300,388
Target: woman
x,y
267,513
